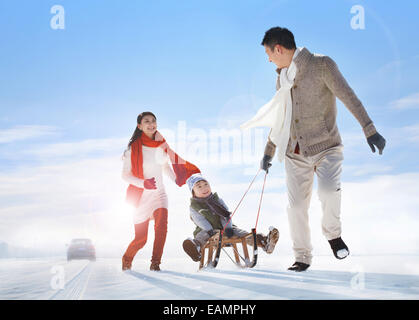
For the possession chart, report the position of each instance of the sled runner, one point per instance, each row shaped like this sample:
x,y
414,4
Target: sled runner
x,y
217,243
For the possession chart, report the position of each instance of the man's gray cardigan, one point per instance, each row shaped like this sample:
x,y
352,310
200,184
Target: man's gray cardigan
x,y
316,85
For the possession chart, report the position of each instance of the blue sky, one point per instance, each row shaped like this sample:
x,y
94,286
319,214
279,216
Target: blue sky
x,y
72,95
184,60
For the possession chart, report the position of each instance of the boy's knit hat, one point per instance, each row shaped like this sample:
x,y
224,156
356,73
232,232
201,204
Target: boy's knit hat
x,y
194,179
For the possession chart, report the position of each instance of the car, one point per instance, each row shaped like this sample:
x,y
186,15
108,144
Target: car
x,y
81,249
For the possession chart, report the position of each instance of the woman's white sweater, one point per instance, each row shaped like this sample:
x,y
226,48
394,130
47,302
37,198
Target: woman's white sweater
x,y
155,161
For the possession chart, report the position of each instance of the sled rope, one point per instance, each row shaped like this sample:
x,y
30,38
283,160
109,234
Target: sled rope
x,y
231,216
219,247
260,201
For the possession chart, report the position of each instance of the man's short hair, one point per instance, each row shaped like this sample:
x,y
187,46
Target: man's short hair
x,y
278,35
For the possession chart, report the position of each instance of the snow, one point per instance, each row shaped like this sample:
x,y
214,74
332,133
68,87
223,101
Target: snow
x,y
356,277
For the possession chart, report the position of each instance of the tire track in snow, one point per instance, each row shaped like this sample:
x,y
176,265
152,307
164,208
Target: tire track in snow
x,y
220,284
171,287
74,289
284,290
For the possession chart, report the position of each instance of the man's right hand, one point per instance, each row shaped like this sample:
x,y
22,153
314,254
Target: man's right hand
x,y
150,183
265,164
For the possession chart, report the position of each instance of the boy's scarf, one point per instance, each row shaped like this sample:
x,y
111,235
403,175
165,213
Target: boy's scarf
x,y
277,113
183,169
214,205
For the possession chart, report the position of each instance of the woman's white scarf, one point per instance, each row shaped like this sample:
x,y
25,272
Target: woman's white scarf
x,y
277,113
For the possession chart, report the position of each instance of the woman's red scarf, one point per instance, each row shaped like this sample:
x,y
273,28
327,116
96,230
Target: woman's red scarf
x,y
183,169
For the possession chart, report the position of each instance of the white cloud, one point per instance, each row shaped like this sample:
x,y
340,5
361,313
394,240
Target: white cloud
x,y
408,102
411,133
24,132
77,148
215,146
367,169
47,204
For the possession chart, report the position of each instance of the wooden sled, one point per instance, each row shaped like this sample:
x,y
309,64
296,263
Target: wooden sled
x,y
217,242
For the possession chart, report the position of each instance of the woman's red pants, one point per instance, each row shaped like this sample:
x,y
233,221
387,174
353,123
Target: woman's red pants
x,y
141,231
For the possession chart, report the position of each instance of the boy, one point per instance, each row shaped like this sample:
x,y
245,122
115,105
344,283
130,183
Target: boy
x,y
210,213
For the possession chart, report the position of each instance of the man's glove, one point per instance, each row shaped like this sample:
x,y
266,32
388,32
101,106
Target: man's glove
x,y
377,140
265,164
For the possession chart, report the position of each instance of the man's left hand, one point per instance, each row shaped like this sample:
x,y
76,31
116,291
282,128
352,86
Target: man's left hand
x,y
376,140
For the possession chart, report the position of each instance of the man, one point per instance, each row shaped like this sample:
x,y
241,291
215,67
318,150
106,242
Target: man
x,y
314,144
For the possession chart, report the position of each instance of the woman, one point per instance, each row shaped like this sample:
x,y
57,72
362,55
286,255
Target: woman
x,y
145,159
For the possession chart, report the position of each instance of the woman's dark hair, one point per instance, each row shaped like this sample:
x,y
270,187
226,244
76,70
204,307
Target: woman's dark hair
x,y
137,132
278,35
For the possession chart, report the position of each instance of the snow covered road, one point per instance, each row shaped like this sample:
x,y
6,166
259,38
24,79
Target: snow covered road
x,y
179,279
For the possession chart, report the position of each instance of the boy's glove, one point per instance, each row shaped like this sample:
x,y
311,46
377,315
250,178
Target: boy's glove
x,y
377,140
211,232
265,164
229,232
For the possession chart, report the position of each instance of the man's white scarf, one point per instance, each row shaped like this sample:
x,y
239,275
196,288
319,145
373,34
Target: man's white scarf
x,y
276,114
